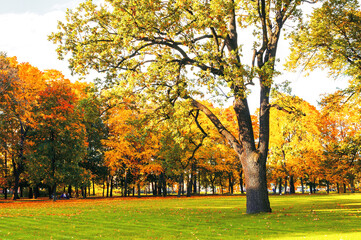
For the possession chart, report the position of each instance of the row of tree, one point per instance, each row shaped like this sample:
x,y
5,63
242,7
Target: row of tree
x,y
161,57
55,133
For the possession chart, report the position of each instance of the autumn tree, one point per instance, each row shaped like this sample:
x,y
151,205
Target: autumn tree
x,y
166,50
295,146
341,135
21,82
58,135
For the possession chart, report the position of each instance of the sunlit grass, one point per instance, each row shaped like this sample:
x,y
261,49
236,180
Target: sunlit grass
x,y
293,217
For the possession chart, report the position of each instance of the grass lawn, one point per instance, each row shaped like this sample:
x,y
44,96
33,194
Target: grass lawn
x,y
293,217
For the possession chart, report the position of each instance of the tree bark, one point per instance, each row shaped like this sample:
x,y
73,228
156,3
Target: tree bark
x,y
302,187
180,180
285,185
241,181
292,185
31,195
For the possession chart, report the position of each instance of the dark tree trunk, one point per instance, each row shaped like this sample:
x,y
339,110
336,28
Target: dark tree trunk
x,y
138,189
108,187
344,188
31,195
21,191
189,186
292,185
314,186
50,192
180,180
195,184
310,187
36,191
241,181
5,191
352,183
69,191
285,185
328,187
104,190
16,184
230,180
280,186
93,187
111,186
302,186
338,188
54,192
164,184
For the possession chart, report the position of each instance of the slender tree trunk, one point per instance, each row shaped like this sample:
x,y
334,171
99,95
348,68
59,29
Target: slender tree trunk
x,y
285,185
338,188
344,188
21,191
164,184
292,185
31,194
50,192
54,192
180,180
111,186
5,190
104,189
36,191
241,181
310,187
93,187
189,185
69,191
280,186
108,187
138,189
302,186
16,182
352,183
328,187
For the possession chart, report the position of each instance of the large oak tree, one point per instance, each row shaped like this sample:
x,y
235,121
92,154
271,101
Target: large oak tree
x,y
172,50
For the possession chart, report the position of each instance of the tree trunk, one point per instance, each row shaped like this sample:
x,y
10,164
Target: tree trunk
x,y
344,188
138,189
328,187
93,187
36,191
280,186
16,183
108,187
302,187
352,183
241,181
285,185
338,188
164,185
5,190
292,185
31,195
69,191
54,192
256,185
111,186
180,180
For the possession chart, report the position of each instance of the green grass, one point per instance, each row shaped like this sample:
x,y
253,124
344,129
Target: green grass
x,y
294,217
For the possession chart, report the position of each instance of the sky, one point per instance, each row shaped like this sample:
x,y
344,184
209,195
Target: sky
x,y
26,24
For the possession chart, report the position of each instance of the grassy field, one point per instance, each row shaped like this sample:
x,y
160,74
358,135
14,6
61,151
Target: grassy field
x,y
293,217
